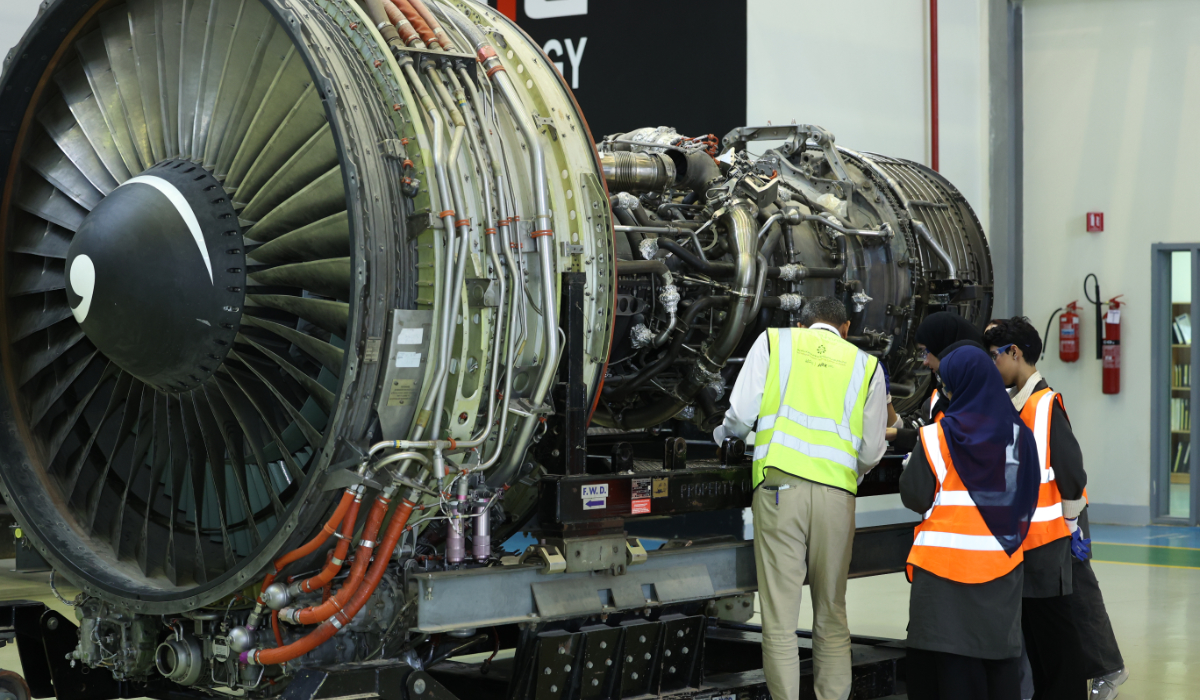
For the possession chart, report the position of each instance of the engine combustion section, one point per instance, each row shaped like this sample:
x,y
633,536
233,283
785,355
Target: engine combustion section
x,y
299,293
713,252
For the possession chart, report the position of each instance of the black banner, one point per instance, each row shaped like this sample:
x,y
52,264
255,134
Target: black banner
x,y
679,63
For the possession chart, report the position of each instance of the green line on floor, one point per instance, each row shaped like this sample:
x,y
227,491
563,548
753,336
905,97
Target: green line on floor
x,y
1146,555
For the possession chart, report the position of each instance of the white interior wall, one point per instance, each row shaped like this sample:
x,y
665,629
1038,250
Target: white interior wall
x,y
15,17
1112,97
860,68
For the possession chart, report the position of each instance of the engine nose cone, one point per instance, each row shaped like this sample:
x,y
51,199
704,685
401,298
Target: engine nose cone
x,y
156,275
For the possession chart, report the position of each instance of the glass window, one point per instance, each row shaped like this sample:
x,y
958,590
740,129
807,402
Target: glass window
x,y
1179,481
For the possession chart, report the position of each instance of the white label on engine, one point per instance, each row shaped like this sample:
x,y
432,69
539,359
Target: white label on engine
x,y
408,359
410,336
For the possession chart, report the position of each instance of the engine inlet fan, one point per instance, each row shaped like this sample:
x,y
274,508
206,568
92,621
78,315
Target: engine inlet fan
x,y
182,283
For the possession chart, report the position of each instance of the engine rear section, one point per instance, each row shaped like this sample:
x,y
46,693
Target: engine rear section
x,y
286,306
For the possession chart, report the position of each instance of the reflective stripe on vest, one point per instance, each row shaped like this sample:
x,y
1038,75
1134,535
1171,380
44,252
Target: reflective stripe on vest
x,y
816,432
950,540
953,541
933,399
1048,524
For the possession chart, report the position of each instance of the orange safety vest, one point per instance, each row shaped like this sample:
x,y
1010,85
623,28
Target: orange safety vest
x,y
1048,524
953,541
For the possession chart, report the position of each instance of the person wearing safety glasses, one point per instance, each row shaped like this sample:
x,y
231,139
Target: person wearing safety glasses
x,y
1068,635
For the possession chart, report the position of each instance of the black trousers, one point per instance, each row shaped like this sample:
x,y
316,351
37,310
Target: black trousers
x,y
1101,655
1053,645
936,675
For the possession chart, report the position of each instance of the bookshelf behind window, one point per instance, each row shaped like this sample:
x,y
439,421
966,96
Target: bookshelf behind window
x,y
1181,390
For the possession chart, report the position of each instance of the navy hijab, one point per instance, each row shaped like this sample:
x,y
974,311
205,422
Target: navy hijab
x,y
993,450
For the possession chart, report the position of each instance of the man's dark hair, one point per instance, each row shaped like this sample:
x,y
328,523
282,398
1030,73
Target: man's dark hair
x,y
1016,331
823,310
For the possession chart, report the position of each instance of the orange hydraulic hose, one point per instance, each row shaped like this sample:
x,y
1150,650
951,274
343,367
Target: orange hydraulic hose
x,y
408,33
362,556
311,546
330,627
418,23
442,37
335,563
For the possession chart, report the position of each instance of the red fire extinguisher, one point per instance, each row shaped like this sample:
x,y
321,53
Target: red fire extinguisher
x,y
1112,346
1068,334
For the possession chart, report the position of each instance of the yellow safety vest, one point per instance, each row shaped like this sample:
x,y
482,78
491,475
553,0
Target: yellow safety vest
x,y
810,423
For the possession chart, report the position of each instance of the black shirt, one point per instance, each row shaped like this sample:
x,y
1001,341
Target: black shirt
x,y
979,620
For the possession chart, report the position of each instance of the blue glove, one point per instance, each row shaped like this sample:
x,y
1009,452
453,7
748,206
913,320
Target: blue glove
x,y
1081,546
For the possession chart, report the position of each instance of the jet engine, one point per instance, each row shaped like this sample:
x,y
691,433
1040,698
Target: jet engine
x,y
291,287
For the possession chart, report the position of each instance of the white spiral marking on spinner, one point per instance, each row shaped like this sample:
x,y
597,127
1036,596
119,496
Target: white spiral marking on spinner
x,y
83,283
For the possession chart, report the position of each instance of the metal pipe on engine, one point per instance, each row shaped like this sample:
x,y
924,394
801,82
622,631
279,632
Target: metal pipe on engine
x,y
951,270
543,227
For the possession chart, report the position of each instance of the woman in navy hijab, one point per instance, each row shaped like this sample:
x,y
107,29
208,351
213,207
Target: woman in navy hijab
x,y
975,480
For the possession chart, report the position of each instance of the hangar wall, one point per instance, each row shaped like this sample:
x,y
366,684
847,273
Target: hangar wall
x,y
14,18
1112,94
861,69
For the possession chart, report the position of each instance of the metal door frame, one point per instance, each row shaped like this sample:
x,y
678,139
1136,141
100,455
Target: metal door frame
x,y
1160,383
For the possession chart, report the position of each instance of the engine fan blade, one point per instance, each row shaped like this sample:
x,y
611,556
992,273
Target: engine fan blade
x,y
290,81
219,29
56,117
324,197
310,160
40,198
121,393
324,397
310,434
60,383
85,108
94,60
118,49
332,316
327,238
329,356
46,347
31,313
144,39
51,163
247,46
243,411
198,449
219,431
35,236
305,119
330,278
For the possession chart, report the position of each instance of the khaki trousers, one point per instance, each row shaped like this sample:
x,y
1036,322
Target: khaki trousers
x,y
810,531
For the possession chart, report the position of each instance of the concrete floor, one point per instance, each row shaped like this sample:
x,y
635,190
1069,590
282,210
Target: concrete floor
x,y
1154,607
1152,593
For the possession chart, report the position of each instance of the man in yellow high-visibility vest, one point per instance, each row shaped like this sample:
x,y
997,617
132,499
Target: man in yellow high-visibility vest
x,y
821,409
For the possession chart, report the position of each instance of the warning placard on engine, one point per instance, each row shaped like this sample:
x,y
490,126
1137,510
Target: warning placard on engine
x,y
639,489
660,487
402,393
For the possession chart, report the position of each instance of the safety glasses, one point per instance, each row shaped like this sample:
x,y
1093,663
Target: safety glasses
x,y
1000,351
